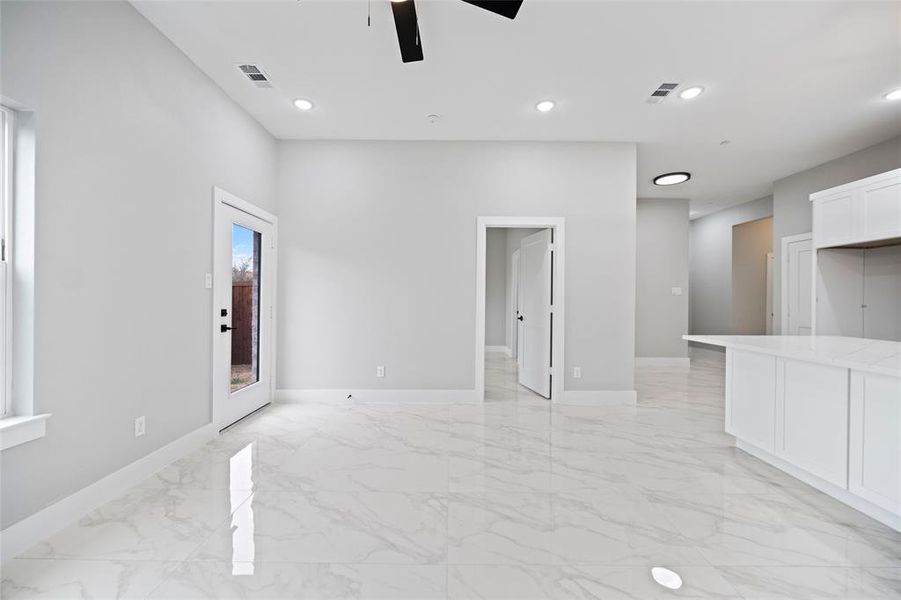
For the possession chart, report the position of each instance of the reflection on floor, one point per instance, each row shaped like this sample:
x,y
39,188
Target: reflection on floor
x,y
502,379
513,498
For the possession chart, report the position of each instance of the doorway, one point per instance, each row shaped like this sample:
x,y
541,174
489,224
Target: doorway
x,y
752,242
244,255
797,284
519,308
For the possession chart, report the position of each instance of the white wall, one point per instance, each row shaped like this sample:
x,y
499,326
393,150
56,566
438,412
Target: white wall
x,y
495,287
792,212
710,243
377,256
131,137
661,319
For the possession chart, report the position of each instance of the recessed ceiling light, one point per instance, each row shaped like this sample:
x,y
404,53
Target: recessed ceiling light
x,y
894,95
672,178
303,104
545,106
666,578
692,92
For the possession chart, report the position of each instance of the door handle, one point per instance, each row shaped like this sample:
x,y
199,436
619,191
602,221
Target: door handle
x,y
225,328
519,318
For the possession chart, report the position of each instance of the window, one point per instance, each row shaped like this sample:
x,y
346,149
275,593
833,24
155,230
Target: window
x,y
7,123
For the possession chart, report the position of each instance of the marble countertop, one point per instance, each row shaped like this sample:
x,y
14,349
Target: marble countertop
x,y
872,356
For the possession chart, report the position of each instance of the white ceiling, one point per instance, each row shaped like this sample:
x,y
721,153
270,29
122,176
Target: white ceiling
x,y
791,85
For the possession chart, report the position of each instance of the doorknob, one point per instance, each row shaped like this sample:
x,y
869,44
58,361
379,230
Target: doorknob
x,y
225,328
519,318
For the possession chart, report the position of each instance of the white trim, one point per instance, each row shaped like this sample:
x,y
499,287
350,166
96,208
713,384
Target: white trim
x,y
841,494
377,396
663,361
498,350
840,189
600,397
783,277
21,536
18,430
7,208
558,224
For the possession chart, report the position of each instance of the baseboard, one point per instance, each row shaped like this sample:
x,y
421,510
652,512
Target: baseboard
x,y
409,396
663,361
856,502
19,537
499,350
600,397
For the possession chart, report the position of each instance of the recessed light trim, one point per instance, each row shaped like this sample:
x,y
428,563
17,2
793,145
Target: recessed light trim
x,y
303,104
668,579
674,178
545,106
894,95
691,93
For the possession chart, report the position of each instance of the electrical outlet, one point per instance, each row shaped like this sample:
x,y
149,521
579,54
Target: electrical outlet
x,y
380,371
140,426
577,372
208,281
676,291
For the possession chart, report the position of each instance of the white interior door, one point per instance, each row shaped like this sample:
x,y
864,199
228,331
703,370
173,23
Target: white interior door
x,y
770,264
514,316
535,277
244,284
800,286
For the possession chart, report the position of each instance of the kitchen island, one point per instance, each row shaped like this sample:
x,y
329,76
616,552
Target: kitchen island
x,y
825,409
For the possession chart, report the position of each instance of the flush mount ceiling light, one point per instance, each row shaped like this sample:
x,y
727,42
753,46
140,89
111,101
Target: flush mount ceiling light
x,y
894,95
545,106
666,578
672,178
303,104
692,92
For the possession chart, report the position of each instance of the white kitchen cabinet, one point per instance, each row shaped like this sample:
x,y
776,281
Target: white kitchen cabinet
x,y
812,418
751,397
875,439
858,212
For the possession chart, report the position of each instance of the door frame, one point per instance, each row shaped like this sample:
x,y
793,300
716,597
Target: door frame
x,y
783,277
558,224
222,198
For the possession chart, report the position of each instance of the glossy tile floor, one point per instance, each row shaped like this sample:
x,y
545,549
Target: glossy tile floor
x,y
515,498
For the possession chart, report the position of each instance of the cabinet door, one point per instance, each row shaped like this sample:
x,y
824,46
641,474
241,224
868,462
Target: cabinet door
x,y
812,418
875,444
881,210
835,219
751,398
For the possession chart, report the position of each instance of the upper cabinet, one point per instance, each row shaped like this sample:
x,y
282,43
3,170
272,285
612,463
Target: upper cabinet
x,y
861,213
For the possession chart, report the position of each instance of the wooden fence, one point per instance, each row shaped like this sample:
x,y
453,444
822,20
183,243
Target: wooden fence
x,y
242,322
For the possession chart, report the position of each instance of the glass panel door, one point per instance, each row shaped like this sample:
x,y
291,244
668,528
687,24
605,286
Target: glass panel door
x,y
245,318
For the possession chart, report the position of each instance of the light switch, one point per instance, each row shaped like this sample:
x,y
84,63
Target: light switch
x,y
380,371
677,291
577,372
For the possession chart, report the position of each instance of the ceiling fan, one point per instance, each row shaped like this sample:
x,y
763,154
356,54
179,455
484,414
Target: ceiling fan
x,y
408,27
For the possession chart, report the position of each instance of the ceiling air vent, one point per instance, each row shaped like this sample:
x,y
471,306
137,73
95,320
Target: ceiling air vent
x,y
663,90
255,75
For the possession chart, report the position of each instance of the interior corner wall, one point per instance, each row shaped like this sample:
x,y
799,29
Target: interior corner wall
x,y
751,242
377,256
661,319
710,265
495,286
792,212
131,137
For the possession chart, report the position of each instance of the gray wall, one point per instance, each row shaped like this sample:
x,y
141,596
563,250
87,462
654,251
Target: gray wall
x,y
495,287
661,264
791,196
751,242
131,137
711,265
377,256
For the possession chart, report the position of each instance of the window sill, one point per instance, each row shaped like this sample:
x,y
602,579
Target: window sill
x,y
18,430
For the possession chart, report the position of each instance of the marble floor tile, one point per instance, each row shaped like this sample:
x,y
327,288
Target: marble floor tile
x,y
517,497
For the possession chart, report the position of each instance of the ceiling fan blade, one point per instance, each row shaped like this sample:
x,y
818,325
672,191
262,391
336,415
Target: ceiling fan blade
x,y
505,8
407,30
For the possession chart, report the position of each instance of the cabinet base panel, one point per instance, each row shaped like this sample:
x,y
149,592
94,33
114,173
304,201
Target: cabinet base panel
x,y
842,495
